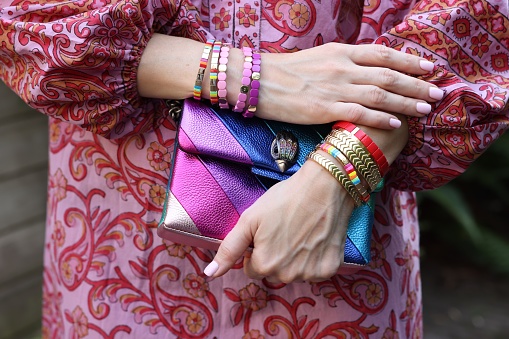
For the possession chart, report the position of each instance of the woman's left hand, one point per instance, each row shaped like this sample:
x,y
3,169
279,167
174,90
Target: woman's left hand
x,y
298,228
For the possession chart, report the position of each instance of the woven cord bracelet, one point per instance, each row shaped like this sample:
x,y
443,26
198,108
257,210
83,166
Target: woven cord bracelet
x,y
337,174
201,71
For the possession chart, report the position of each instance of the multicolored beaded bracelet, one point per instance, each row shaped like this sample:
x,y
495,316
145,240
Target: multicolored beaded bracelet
x,y
337,174
255,85
214,64
221,77
368,143
350,170
246,80
203,66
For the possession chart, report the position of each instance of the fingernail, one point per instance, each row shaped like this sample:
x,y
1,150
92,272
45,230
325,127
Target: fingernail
x,y
394,123
211,269
423,107
436,93
427,65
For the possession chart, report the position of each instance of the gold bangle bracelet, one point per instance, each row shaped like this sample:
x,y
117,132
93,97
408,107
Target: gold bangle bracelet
x,y
338,174
348,148
339,156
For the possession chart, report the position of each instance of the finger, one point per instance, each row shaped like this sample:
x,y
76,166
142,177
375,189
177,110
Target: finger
x,y
379,99
359,114
232,248
382,56
398,83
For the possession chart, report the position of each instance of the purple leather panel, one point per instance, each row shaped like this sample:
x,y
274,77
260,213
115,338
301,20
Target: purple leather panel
x,y
201,196
185,143
204,119
239,184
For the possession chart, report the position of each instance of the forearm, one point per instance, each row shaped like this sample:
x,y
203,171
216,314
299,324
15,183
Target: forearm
x,y
169,65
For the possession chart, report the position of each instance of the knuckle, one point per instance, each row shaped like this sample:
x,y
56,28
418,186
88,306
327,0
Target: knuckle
x,y
355,113
377,96
382,52
388,78
226,253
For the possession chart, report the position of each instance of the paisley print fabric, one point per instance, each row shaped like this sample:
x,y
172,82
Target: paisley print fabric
x,y
108,275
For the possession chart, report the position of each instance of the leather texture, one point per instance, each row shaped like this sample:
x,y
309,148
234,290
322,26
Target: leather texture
x,y
222,165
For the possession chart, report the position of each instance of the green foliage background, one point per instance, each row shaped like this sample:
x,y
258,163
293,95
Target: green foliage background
x,y
468,219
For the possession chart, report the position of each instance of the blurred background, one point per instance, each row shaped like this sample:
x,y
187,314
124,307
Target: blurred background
x,y
464,236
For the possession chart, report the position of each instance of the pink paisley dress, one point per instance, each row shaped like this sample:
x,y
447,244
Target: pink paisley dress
x,y
106,272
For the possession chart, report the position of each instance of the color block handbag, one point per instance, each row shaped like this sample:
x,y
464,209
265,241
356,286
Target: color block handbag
x,y
223,163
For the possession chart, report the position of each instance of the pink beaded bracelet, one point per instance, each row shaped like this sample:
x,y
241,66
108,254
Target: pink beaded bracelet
x,y
246,80
203,66
214,64
221,77
255,85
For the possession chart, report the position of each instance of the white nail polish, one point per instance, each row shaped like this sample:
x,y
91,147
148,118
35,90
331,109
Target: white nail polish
x,y
423,107
427,65
394,123
436,93
211,269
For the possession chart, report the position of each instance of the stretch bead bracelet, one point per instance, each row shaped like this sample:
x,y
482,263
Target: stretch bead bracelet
x,y
337,174
255,85
341,143
370,145
214,64
350,170
221,76
246,80
201,71
361,152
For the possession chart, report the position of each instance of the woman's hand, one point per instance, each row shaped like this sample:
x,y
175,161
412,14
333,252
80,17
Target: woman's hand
x,y
361,84
298,228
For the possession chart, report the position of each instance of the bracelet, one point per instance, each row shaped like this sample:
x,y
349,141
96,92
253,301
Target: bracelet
x,y
350,170
347,148
214,63
246,79
201,71
369,144
255,85
221,76
338,174
361,152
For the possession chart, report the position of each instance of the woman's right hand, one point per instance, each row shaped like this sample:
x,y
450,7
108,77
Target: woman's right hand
x,y
363,84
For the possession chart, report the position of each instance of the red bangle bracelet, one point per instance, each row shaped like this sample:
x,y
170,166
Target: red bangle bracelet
x,y
370,145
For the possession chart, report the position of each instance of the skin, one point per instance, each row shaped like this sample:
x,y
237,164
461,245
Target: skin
x,y
367,85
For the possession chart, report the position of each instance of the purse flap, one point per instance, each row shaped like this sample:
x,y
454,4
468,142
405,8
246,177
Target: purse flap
x,y
224,134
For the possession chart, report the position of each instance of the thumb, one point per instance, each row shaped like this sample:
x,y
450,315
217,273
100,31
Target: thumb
x,y
232,248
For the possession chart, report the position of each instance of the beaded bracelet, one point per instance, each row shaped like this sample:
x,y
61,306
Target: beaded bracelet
x,y
350,170
368,143
201,71
337,174
214,64
255,85
341,142
221,76
246,79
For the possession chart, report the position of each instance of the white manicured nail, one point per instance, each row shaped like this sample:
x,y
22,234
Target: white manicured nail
x,y
427,65
211,269
423,107
394,123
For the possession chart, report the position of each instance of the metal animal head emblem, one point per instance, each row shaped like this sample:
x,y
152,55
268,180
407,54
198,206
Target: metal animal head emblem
x,y
284,150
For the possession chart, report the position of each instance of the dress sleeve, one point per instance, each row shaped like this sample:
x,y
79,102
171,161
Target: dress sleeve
x,y
469,43
77,60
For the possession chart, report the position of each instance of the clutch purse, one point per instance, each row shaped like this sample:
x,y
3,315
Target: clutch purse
x,y
223,163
